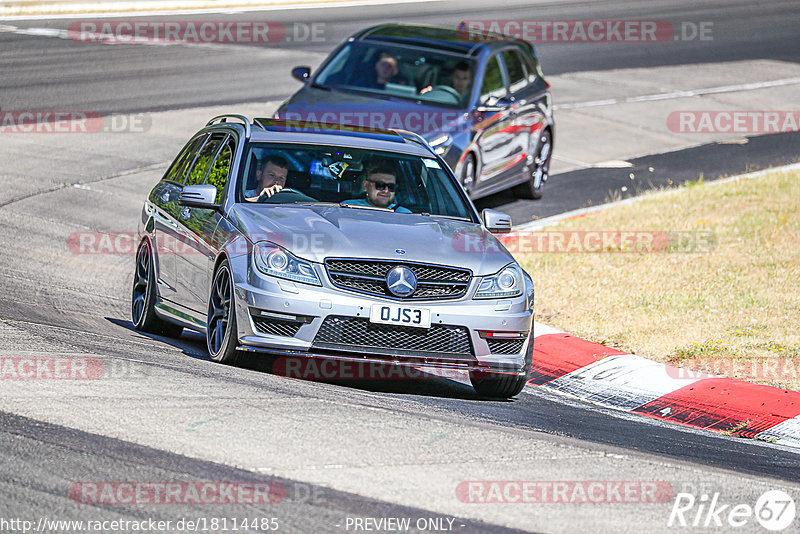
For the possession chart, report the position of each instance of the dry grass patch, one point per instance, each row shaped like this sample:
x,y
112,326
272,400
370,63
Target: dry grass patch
x,y
733,310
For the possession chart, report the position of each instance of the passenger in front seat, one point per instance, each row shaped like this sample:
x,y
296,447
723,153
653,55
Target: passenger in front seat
x,y
380,185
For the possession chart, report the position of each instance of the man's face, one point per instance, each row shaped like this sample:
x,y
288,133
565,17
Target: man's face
x,y
271,174
461,79
386,67
380,189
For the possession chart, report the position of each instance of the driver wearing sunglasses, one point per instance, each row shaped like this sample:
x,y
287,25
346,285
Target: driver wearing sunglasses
x,y
380,186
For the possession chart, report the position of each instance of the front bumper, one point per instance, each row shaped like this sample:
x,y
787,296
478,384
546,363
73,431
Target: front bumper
x,y
293,319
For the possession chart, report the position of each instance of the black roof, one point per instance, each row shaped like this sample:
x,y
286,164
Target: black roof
x,y
457,40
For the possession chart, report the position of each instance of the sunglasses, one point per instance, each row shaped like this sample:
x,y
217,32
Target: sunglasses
x,y
380,186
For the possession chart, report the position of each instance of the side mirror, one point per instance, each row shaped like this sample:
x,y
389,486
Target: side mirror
x,y
493,105
496,222
301,73
199,196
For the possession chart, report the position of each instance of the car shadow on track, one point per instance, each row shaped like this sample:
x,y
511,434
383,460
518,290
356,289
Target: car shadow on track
x,y
191,343
373,378
363,376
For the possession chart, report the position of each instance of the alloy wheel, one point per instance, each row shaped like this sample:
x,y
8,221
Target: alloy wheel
x,y
219,310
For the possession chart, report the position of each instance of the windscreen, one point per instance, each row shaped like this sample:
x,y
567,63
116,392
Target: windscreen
x,y
356,178
422,75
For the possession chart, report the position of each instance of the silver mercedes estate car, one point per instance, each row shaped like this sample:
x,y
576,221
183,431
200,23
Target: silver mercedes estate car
x,y
309,241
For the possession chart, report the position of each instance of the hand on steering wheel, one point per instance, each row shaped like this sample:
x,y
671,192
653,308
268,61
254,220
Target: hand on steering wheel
x,y
447,89
271,190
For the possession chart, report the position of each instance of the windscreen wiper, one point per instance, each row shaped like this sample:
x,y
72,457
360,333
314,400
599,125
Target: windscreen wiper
x,y
454,217
363,207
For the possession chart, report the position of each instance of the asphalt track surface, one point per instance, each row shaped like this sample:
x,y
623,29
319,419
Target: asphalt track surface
x,y
124,79
53,436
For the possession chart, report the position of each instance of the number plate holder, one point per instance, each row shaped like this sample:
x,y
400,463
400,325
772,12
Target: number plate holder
x,y
400,315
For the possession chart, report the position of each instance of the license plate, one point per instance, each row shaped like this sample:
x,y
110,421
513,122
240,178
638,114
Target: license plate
x,y
400,315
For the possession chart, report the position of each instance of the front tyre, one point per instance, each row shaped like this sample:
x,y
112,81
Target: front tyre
x,y
221,332
501,385
143,297
468,174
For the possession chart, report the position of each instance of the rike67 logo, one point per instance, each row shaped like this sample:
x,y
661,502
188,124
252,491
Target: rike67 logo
x,y
774,510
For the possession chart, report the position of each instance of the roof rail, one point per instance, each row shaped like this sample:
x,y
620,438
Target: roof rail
x,y
222,118
411,136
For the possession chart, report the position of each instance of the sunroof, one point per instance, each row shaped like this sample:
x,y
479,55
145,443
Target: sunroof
x,y
279,125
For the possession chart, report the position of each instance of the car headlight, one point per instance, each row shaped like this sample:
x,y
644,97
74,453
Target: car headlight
x,y
441,144
529,291
506,283
274,261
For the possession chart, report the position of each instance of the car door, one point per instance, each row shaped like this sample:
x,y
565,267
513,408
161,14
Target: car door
x,y
164,198
530,93
197,225
495,115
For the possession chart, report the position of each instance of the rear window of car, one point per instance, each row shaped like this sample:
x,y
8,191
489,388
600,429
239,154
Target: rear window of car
x,y
530,66
493,85
516,72
219,173
205,158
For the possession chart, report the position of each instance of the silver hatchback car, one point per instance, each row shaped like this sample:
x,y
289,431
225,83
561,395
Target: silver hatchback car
x,y
324,241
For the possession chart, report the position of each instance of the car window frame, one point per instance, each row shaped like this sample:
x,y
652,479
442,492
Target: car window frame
x,y
524,80
531,65
496,56
211,135
333,57
222,194
237,194
183,152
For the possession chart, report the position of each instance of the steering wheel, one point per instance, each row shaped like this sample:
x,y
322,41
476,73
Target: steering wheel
x,y
288,191
447,89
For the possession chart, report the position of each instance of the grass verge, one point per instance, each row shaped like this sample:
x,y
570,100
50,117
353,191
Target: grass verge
x,y
710,279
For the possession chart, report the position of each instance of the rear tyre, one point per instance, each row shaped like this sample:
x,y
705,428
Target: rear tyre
x,y
500,385
221,331
143,297
533,187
